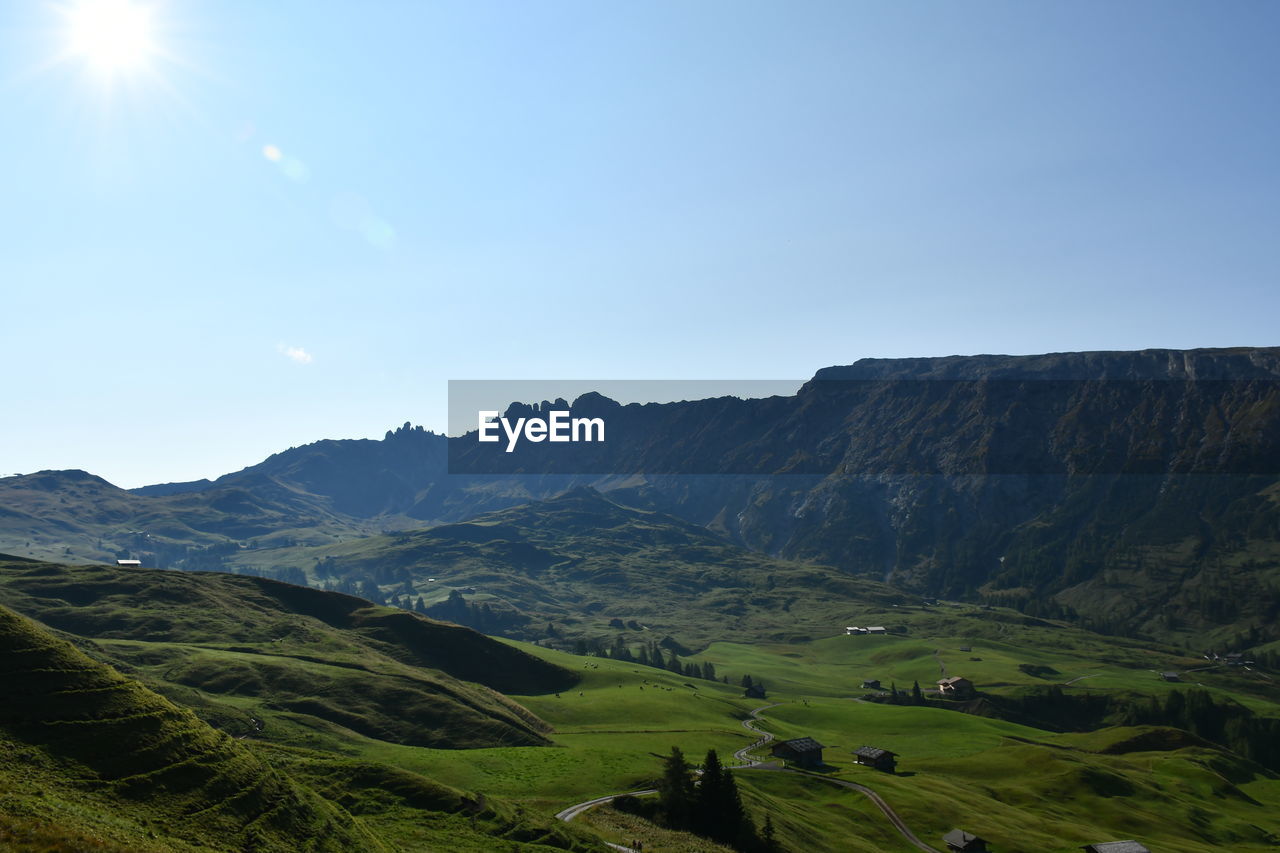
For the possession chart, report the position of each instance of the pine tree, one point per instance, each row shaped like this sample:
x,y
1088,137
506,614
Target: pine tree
x,y
718,812
917,695
676,791
768,840
894,698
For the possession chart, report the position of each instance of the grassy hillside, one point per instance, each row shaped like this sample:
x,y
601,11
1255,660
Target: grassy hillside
x,y
289,663
581,561
74,516
269,715
145,771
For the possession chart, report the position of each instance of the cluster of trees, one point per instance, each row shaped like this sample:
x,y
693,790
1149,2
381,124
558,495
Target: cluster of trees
x,y
483,617
1226,723
901,697
709,806
651,654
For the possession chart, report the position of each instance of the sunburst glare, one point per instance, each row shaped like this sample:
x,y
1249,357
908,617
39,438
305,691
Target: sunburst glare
x,y
111,36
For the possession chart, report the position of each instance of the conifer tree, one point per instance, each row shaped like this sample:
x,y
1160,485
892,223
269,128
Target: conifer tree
x,y
718,812
768,840
676,791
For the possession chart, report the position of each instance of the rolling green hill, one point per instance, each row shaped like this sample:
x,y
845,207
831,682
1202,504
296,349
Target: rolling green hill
x,y
581,562
91,755
252,653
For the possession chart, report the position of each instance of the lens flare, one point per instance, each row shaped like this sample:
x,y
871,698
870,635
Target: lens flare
x,y
112,36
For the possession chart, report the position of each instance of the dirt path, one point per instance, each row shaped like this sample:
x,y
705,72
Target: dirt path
x,y
1081,678
746,762
749,724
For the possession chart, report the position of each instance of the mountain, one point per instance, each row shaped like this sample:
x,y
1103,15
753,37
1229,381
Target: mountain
x,y
1139,490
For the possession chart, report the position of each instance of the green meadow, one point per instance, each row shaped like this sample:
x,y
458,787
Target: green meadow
x,y
1020,787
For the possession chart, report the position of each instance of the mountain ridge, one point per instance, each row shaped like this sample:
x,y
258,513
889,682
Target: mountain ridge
x,y
1128,498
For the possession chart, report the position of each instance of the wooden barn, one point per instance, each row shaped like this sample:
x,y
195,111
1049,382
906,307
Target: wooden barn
x,y
874,756
803,751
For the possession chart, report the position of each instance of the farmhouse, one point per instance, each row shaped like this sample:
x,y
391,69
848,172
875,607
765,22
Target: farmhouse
x,y
1115,847
959,841
1170,676
874,756
955,687
877,629
804,751
854,629
128,562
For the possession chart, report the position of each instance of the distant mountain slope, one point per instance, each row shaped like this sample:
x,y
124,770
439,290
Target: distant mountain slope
x,y
139,764
303,653
78,517
581,560
1138,489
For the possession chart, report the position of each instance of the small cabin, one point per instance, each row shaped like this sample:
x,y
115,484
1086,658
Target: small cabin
x,y
1115,847
877,629
955,688
872,684
1170,676
804,751
134,563
874,756
959,841
854,629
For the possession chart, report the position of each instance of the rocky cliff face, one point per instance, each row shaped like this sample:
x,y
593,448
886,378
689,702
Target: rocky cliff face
x,y
1139,488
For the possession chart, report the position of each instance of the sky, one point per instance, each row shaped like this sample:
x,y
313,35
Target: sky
x,y
279,222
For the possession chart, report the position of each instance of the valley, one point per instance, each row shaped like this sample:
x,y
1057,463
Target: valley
x,y
351,646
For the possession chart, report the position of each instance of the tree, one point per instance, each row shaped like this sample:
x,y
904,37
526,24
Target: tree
x,y
718,812
768,840
917,695
676,791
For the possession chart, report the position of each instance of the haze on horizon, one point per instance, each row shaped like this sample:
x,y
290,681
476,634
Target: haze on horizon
x,y
235,227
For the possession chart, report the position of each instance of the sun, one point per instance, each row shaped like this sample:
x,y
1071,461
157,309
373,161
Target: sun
x,y
111,36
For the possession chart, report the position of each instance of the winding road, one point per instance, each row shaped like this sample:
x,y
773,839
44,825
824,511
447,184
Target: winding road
x,y
747,762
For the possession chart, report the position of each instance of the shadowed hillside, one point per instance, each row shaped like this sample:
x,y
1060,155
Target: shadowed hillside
x,y
144,762
272,651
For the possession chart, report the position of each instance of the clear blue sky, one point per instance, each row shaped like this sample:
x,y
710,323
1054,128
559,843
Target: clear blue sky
x,y
653,190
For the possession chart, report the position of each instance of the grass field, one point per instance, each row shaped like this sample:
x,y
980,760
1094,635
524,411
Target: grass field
x,y
1021,788
342,702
